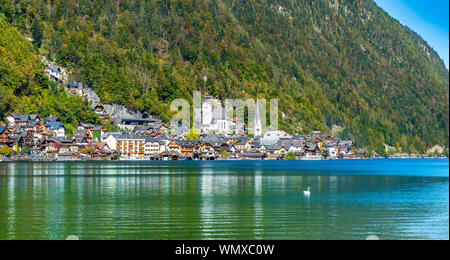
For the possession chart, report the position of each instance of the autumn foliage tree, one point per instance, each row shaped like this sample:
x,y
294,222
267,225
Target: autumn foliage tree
x,y
88,151
5,151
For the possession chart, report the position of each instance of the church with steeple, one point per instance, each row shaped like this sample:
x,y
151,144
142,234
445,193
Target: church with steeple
x,y
258,122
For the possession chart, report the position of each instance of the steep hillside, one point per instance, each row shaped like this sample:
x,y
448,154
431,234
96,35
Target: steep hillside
x,y
342,63
24,87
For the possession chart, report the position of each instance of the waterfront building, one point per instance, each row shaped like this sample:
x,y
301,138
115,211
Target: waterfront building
x,y
69,156
362,153
273,157
272,137
83,136
332,152
312,152
252,156
169,156
55,129
129,145
5,133
111,139
67,145
153,146
277,148
174,146
139,146
189,148
21,120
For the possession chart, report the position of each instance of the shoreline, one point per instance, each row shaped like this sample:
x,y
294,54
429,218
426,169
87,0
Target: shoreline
x,y
200,161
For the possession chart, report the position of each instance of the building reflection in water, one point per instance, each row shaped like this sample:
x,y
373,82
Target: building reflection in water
x,y
213,201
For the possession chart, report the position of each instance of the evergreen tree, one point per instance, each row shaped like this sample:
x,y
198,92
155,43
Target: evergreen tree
x,y
38,36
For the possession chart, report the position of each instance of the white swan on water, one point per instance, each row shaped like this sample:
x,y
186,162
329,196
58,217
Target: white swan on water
x,y
307,192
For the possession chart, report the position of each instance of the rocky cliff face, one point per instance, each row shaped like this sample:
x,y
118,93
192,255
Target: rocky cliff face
x,y
115,111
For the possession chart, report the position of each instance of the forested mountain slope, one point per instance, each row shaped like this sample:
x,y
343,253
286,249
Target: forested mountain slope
x,y
24,87
331,63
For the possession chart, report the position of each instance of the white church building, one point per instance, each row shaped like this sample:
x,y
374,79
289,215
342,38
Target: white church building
x,y
211,118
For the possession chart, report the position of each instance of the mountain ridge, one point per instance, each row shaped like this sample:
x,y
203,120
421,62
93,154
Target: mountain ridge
x,y
331,63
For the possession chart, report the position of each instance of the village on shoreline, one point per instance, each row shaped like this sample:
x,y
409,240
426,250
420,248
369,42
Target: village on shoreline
x,y
28,138
142,137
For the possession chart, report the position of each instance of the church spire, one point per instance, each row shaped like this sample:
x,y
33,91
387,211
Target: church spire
x,y
258,123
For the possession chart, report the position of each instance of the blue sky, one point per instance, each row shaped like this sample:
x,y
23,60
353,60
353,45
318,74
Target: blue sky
x,y
429,18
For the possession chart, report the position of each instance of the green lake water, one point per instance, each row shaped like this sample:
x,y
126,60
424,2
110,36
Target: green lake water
x,y
392,199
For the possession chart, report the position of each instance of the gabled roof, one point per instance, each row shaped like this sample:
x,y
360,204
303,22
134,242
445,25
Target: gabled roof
x,y
20,118
188,144
256,144
24,134
102,146
147,139
32,124
69,154
34,117
54,125
276,146
345,143
268,142
53,67
98,128
54,140
2,129
133,121
150,127
15,138
253,155
74,85
142,129
67,140
242,142
52,119
87,126
79,134
311,147
129,137
115,134
286,143
212,139
298,143
164,137
17,130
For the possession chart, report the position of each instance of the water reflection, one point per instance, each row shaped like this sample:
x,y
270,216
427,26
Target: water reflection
x,y
224,200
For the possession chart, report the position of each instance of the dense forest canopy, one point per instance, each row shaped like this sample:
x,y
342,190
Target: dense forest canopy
x,y
24,87
342,65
